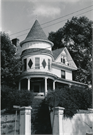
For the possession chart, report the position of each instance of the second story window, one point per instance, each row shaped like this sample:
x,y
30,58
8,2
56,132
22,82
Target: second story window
x,y
37,63
48,64
62,74
25,64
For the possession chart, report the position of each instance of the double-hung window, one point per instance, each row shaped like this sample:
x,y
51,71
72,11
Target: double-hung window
x,y
37,63
62,74
48,64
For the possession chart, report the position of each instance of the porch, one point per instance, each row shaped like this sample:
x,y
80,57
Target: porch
x,y
40,86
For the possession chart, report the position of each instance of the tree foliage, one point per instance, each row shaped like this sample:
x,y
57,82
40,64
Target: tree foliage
x,y
10,66
72,99
10,97
76,35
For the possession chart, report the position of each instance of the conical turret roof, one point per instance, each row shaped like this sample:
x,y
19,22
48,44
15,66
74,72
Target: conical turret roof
x,y
36,33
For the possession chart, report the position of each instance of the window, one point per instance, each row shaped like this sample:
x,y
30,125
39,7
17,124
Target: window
x,y
63,60
25,67
37,63
62,74
48,64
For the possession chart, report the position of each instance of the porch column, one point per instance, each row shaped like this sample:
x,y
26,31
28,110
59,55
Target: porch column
x,y
19,87
45,86
53,85
28,84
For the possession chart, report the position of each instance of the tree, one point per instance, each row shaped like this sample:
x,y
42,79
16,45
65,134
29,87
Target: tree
x,y
76,35
10,66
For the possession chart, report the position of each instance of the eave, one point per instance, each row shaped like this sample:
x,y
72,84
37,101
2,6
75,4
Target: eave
x,y
61,66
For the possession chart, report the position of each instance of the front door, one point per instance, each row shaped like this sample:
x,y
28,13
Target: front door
x,y
36,88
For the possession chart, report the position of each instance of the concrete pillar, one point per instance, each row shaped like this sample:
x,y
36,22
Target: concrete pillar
x,y
25,120
28,84
19,85
53,85
45,86
56,121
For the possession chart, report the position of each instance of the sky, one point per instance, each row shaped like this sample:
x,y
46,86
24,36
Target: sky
x,y
18,16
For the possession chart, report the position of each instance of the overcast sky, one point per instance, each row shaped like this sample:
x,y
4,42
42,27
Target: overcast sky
x,y
19,15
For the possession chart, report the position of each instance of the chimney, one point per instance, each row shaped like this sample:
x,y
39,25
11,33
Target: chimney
x,y
15,41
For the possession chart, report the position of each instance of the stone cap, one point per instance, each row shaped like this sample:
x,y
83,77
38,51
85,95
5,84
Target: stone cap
x,y
58,108
25,108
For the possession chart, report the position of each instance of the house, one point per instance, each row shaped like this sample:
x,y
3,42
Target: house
x,y
44,69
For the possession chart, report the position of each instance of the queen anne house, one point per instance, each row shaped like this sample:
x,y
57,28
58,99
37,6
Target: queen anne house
x,y
44,69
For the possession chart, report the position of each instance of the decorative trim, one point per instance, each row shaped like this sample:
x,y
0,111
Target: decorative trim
x,y
52,76
36,40
60,66
35,51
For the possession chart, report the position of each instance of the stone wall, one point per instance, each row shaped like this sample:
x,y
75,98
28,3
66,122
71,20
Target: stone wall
x,y
8,124
80,124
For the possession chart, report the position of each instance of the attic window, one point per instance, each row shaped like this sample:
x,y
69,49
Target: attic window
x,y
63,60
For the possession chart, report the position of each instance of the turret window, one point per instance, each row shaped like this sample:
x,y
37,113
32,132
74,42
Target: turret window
x,y
37,63
48,64
30,63
25,66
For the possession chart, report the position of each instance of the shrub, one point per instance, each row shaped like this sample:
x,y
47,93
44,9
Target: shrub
x,y
10,97
72,99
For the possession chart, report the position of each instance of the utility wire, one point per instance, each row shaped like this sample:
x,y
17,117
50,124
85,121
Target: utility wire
x,y
55,19
57,22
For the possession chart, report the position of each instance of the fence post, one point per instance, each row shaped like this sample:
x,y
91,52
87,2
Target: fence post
x,y
56,120
25,120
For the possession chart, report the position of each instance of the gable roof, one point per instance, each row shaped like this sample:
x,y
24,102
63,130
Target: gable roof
x,y
57,52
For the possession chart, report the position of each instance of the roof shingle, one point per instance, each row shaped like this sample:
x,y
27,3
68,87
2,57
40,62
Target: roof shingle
x,y
57,52
36,32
